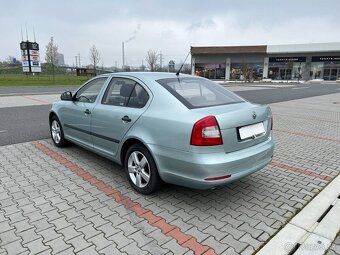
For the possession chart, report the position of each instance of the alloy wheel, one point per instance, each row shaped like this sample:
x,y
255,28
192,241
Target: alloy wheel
x,y
139,169
56,132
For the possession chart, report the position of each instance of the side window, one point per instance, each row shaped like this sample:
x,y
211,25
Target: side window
x,y
90,91
139,97
125,92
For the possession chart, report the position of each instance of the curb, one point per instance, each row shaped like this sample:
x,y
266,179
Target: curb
x,y
312,230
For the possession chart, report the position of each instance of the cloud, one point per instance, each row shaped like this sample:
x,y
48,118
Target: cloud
x,y
207,23
167,26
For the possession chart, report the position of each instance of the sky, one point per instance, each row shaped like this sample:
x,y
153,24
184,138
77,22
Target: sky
x,y
170,27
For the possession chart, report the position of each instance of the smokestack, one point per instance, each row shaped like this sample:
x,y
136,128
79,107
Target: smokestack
x,y
123,54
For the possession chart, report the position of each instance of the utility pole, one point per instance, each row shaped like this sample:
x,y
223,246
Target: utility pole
x,y
76,61
79,59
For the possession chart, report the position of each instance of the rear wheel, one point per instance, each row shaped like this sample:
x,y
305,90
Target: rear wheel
x,y
57,132
141,170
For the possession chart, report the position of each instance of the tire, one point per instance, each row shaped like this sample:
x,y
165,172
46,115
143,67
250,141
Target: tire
x,y
137,172
57,133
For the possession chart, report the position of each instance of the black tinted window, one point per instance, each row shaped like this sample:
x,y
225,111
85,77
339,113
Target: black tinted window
x,y
196,93
125,92
139,97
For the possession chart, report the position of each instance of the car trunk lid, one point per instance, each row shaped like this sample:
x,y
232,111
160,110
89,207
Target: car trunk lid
x,y
238,122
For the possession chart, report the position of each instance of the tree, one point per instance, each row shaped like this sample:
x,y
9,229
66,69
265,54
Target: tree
x,y
245,71
94,58
152,58
51,55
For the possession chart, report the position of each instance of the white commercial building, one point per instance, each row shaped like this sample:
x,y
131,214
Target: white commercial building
x,y
276,62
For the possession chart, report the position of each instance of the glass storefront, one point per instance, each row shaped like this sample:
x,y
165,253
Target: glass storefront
x,y
286,68
246,71
210,71
325,67
279,68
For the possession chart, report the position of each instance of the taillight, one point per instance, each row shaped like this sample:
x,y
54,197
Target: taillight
x,y
206,132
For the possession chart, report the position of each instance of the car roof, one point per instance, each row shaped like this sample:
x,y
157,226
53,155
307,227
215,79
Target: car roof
x,y
148,75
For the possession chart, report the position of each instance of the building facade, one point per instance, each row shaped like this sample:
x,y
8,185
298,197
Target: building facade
x,y
61,60
276,62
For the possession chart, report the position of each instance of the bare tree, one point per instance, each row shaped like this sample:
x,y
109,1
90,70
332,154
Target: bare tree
x,y
51,55
152,58
94,58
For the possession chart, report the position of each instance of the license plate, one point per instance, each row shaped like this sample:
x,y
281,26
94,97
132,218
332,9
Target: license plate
x,y
251,131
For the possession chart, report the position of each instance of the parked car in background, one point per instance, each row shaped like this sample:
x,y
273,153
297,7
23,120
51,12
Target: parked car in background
x,y
178,129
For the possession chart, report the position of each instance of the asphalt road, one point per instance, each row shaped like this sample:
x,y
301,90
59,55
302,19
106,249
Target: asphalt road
x,y
31,90
23,124
275,95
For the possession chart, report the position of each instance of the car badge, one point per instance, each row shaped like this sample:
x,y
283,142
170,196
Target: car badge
x,y
254,115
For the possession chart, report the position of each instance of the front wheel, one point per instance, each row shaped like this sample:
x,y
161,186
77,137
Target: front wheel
x,y
141,170
57,132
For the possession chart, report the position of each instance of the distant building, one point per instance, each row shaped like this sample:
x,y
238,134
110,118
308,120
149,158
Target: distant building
x,y
61,60
12,60
276,62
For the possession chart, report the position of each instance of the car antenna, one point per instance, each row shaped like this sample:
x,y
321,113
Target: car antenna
x,y
182,64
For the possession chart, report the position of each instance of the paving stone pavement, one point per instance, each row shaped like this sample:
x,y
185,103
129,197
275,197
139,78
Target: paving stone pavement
x,y
335,247
47,206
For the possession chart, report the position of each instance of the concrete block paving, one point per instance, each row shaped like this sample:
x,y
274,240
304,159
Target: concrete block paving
x,y
66,201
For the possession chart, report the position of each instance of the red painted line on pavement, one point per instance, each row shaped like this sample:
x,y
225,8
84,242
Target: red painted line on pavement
x,y
302,171
307,135
37,100
183,239
295,116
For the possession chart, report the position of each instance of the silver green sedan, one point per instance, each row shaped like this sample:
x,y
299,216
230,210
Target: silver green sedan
x,y
178,129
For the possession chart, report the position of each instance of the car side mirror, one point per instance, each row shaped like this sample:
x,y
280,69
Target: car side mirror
x,y
66,96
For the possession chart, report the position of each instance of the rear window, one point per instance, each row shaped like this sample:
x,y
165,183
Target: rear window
x,y
197,93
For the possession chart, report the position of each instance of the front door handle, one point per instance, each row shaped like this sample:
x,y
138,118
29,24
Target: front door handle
x,y
126,119
87,111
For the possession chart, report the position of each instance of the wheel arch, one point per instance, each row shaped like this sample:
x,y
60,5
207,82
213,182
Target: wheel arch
x,y
129,142
126,145
52,113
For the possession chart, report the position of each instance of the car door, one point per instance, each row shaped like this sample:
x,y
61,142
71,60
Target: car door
x,y
77,117
123,102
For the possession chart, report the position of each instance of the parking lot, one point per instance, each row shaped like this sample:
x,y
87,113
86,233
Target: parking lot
x,y
70,200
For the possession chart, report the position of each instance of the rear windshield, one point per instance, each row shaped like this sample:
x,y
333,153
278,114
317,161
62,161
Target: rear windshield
x,y
197,92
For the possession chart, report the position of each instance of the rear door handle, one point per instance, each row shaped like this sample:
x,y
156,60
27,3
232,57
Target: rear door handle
x,y
126,119
87,111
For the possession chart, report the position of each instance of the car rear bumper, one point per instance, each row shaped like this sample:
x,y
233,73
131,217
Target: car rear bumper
x,y
191,169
